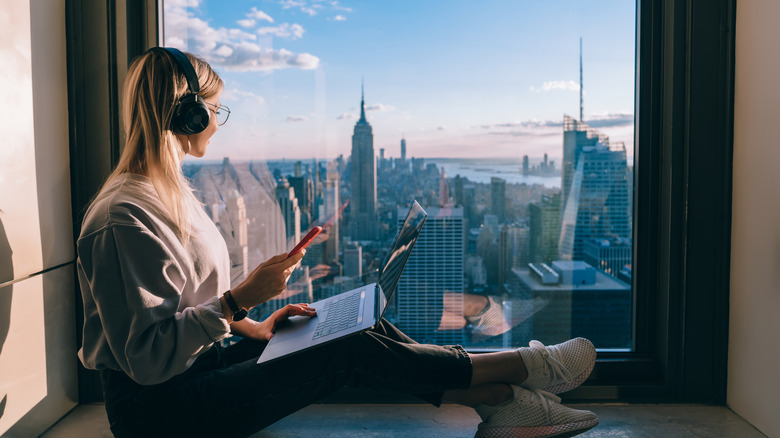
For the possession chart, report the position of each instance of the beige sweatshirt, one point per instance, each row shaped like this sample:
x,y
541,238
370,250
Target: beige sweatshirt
x,y
151,302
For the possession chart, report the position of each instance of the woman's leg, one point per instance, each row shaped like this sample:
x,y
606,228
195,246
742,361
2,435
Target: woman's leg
x,y
491,376
245,397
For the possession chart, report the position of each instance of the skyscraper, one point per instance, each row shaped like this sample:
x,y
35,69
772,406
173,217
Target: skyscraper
x,y
435,266
545,229
444,189
576,136
363,172
498,198
331,206
288,204
353,261
236,205
303,187
596,191
609,255
512,249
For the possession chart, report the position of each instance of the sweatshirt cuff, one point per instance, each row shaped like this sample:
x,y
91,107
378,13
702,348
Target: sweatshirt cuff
x,y
213,320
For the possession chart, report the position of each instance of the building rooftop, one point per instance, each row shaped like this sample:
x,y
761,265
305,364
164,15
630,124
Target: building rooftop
x,y
603,282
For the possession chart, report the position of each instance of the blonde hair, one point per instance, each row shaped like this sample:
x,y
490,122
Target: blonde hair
x,y
153,86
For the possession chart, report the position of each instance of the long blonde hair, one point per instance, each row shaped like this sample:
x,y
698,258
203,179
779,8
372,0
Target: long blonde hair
x,y
154,83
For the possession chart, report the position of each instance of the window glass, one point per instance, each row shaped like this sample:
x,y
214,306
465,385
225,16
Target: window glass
x,y
510,122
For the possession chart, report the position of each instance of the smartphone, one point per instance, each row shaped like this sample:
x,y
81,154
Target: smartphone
x,y
305,241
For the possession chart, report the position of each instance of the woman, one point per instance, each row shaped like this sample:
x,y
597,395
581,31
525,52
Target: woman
x,y
154,275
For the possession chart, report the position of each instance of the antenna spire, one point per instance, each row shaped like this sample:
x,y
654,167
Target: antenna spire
x,y
581,104
362,103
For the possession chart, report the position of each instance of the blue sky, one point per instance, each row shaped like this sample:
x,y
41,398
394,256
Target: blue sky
x,y
455,78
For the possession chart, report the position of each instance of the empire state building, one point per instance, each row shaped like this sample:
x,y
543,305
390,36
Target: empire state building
x,y
363,202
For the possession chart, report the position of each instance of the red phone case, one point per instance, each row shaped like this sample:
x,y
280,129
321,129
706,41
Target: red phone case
x,y
305,241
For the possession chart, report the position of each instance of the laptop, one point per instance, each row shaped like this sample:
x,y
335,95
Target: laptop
x,y
350,312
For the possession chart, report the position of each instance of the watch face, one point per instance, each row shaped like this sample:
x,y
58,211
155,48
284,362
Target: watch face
x,y
239,315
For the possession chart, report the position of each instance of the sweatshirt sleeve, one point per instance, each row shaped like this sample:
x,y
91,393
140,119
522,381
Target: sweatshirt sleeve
x,y
136,285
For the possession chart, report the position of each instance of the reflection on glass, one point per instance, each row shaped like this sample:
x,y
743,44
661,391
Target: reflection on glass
x,y
529,233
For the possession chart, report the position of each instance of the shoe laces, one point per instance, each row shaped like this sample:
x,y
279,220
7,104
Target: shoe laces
x,y
544,399
556,368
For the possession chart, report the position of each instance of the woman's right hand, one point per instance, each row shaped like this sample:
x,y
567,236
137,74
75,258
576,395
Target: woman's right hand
x,y
268,280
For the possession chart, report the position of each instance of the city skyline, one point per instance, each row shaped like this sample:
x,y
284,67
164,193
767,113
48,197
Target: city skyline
x,y
451,80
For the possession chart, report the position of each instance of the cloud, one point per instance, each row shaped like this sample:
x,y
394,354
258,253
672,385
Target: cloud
x,y
235,95
547,128
527,134
246,23
231,49
224,51
285,30
378,107
301,5
297,119
259,15
526,124
335,5
611,120
340,18
347,116
524,128
556,85
287,4
183,3
315,7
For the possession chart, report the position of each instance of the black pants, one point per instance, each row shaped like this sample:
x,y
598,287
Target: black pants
x,y
226,393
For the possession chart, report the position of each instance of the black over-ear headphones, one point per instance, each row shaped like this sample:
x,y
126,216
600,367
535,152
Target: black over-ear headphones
x,y
191,115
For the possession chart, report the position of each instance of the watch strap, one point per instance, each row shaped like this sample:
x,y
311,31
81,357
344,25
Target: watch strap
x,y
239,313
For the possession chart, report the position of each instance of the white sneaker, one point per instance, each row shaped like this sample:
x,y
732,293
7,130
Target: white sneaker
x,y
558,368
532,413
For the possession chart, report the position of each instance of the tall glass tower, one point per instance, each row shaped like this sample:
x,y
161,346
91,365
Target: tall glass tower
x,y
435,266
363,172
596,189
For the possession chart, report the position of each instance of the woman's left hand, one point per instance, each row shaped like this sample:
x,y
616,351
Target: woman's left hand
x,y
264,331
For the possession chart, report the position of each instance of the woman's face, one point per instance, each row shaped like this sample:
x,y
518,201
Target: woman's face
x,y
196,144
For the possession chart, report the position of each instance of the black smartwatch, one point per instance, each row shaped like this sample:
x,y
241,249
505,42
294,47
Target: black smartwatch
x,y
239,313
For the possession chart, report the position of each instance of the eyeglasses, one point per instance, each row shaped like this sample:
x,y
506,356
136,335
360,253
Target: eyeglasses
x,y
221,112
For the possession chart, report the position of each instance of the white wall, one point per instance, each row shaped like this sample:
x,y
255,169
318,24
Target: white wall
x,y
38,381
754,325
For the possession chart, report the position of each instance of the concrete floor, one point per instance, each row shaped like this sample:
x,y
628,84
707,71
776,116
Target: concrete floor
x,y
452,421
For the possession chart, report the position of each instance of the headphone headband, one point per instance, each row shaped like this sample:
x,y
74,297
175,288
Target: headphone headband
x,y
186,66
191,115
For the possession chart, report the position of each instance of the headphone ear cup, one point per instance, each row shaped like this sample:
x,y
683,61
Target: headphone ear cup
x,y
191,116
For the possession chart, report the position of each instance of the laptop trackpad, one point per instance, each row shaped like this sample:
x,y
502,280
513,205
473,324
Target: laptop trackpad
x,y
292,326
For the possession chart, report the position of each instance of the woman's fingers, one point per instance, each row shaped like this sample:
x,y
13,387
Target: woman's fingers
x,y
273,260
299,309
268,280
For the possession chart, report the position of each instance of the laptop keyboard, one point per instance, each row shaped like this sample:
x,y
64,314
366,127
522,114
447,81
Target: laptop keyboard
x,y
341,314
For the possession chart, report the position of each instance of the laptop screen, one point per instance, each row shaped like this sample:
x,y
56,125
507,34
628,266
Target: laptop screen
x,y
399,254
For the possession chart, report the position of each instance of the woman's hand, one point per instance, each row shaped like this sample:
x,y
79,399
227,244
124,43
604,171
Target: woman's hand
x,y
264,331
268,280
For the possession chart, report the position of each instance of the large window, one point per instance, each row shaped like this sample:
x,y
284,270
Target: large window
x,y
511,122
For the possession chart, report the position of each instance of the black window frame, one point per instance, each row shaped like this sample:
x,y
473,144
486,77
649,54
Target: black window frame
x,y
682,179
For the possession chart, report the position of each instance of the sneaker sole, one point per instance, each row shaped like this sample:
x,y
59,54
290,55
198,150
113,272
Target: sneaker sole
x,y
558,430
